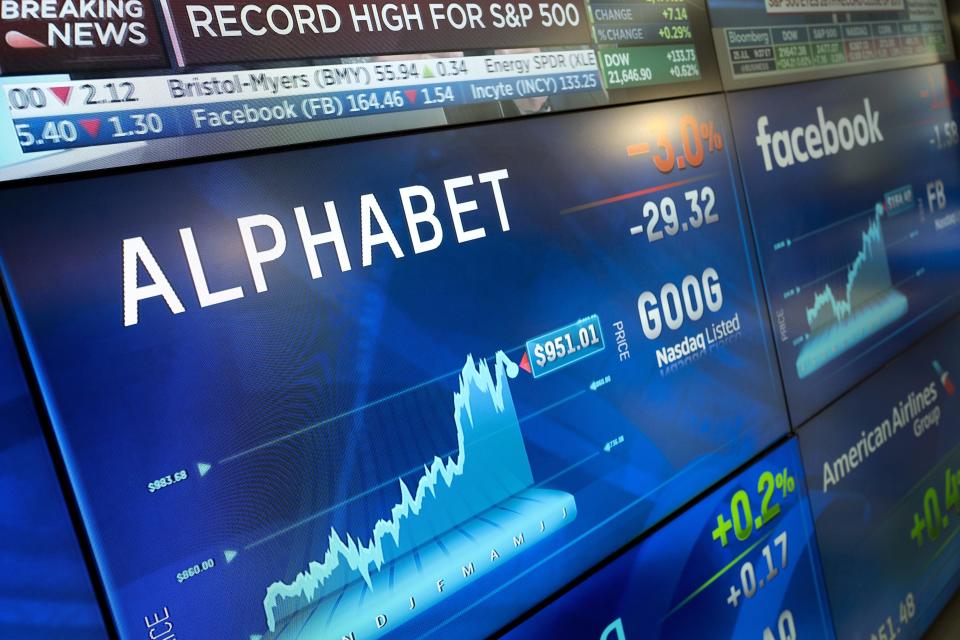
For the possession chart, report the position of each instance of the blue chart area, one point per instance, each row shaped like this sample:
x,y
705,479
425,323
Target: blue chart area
x,y
464,516
864,304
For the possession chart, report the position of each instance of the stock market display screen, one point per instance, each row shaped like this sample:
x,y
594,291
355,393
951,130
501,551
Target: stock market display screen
x,y
431,319
405,387
883,466
852,186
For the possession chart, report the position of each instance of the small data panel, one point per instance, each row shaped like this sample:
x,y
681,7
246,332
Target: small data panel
x,y
766,42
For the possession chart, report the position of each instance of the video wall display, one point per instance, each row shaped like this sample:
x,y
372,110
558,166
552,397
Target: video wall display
x,y
107,89
765,42
741,563
409,386
45,589
853,188
309,334
883,468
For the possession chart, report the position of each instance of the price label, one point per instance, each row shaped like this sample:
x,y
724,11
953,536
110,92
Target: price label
x,y
564,346
166,481
195,570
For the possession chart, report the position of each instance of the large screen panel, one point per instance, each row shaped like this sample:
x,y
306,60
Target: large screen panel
x,y
883,465
45,590
766,42
713,572
408,386
251,75
853,188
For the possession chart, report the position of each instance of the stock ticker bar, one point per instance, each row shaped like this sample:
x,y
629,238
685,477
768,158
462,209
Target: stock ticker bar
x,y
98,112
449,62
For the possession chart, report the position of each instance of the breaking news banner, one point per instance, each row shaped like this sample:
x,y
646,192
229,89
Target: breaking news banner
x,y
68,35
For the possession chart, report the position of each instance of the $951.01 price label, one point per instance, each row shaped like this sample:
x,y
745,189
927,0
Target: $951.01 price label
x,y
564,346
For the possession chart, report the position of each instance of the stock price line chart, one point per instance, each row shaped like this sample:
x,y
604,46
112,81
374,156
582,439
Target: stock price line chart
x,y
481,501
855,201
414,398
851,303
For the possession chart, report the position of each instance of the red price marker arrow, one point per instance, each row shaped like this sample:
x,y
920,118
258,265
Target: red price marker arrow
x,y
411,96
62,94
91,126
525,363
